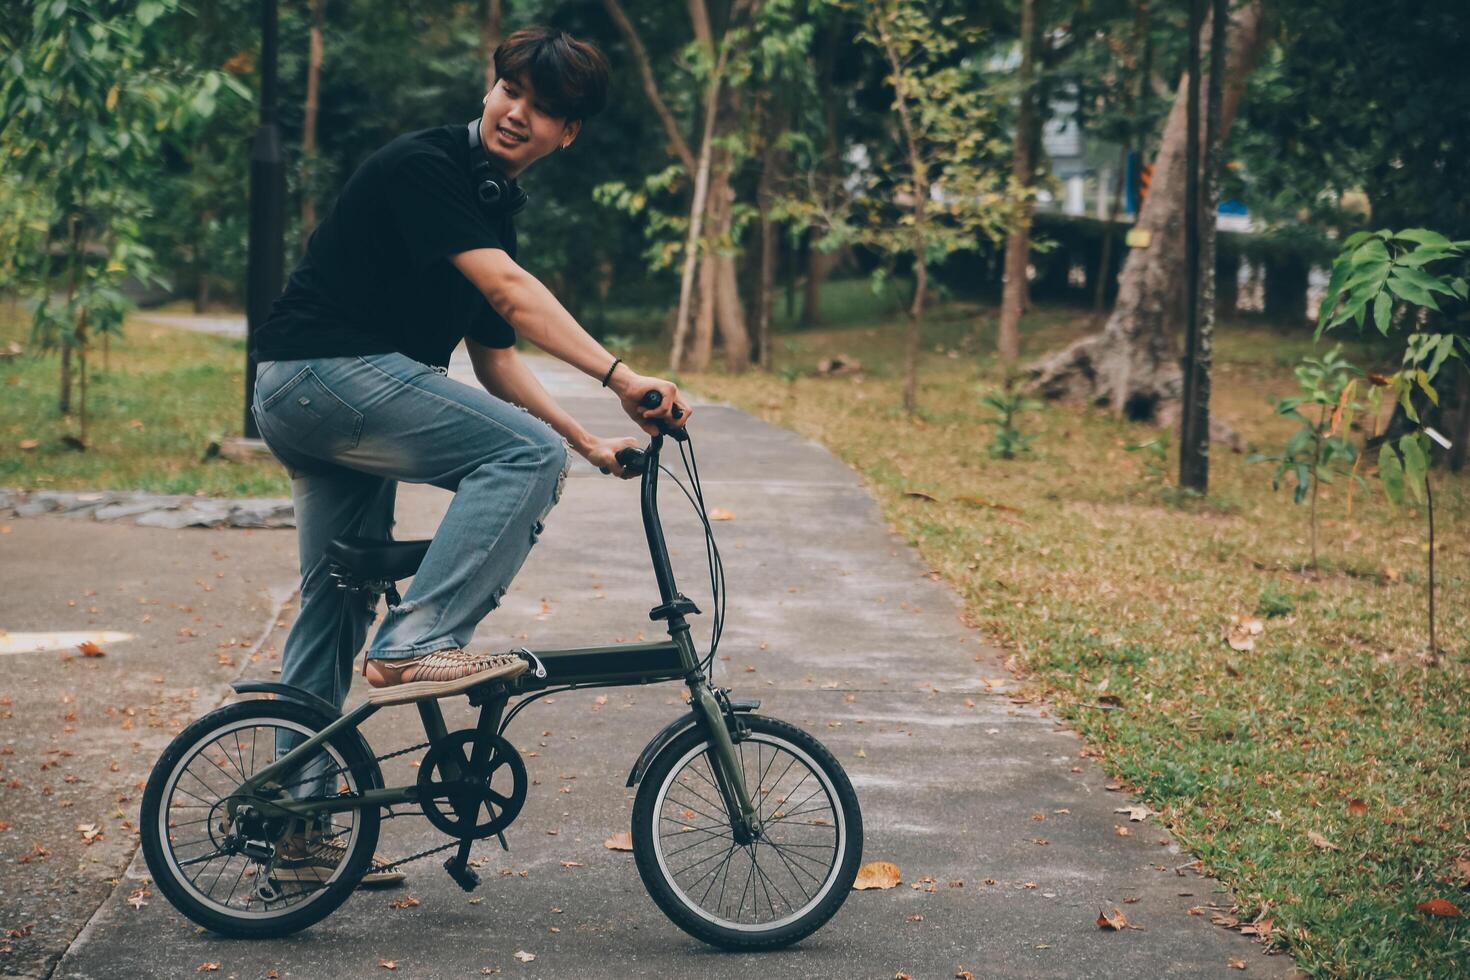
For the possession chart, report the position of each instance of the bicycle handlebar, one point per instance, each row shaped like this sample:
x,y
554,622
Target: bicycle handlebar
x,y
634,460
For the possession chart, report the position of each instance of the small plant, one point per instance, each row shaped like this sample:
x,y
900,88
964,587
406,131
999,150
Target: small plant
x,y
1380,270
1155,458
1328,384
1008,441
1274,602
790,372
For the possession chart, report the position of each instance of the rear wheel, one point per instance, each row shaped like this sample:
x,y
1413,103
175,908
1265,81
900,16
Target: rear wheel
x,y
194,850
780,887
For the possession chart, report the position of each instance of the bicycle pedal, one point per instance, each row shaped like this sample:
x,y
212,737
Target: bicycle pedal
x,y
464,876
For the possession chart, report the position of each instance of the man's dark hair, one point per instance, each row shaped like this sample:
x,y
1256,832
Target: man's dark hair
x,y
568,75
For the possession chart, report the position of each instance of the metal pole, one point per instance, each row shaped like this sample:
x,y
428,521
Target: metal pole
x,y
1189,471
266,264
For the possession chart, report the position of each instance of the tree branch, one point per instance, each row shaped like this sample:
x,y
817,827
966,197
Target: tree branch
x,y
650,87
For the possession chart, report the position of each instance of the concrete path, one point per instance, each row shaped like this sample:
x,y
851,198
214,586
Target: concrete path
x,y
225,325
1005,835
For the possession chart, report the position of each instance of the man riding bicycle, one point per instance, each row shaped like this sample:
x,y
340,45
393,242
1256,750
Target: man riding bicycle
x,y
417,253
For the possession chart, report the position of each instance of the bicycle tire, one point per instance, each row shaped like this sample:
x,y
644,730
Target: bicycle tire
x,y
653,793
361,768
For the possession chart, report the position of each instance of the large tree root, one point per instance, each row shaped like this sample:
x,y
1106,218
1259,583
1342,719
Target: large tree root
x,y
1091,370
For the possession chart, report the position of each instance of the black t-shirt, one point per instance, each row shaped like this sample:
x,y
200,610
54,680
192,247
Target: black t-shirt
x,y
376,276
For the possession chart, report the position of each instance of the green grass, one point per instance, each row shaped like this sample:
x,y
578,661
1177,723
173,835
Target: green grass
x,y
1109,580
163,397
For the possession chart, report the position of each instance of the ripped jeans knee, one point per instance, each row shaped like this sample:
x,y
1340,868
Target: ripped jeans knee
x,y
539,525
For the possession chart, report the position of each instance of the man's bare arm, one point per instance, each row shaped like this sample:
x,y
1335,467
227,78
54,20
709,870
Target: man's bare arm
x,y
506,376
536,315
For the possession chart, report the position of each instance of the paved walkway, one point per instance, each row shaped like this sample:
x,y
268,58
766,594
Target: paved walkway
x,y
1005,835
226,325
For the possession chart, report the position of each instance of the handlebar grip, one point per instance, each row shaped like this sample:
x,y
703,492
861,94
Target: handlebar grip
x,y
630,459
653,399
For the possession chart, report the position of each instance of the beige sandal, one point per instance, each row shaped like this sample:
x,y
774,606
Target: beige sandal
x,y
437,675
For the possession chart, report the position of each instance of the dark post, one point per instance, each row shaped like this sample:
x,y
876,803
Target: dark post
x,y
1191,474
266,264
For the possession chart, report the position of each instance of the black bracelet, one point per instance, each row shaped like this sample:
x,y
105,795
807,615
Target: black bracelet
x,y
608,376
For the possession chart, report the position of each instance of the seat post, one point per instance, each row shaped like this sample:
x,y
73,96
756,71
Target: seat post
x,y
433,719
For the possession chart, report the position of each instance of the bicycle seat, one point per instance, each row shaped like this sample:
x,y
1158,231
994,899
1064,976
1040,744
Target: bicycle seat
x,y
374,558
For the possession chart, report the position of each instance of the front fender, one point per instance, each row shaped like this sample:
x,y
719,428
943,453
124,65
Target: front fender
x,y
670,732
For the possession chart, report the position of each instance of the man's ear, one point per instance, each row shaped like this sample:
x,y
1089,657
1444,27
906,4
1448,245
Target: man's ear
x,y
570,133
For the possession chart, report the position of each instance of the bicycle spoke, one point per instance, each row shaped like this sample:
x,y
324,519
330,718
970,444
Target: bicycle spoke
x,y
769,879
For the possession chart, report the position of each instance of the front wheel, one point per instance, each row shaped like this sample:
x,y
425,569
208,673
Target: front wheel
x,y
780,887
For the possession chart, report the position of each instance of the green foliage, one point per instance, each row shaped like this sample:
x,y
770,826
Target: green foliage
x,y
1274,601
1328,384
1387,269
87,95
1392,277
1155,457
940,145
1008,441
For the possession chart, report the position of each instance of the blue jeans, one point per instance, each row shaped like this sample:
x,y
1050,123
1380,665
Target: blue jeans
x,y
348,429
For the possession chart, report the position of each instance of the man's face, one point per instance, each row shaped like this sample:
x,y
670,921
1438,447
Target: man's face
x,y
517,130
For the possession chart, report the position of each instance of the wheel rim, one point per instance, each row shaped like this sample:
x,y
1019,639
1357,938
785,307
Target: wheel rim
x,y
783,874
193,799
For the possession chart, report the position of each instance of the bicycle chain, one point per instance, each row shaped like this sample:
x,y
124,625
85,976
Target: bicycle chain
x,y
392,865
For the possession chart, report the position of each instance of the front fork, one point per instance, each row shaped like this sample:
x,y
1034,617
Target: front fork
x,y
729,773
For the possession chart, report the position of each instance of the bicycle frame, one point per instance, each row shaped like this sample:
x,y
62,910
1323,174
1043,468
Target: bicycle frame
x,y
578,667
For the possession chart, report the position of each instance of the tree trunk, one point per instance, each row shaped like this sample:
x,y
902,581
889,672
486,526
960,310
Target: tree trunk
x,y
81,342
819,264
692,248
1285,293
1194,440
704,319
766,277
1018,242
1132,365
490,26
1227,282
308,128
75,272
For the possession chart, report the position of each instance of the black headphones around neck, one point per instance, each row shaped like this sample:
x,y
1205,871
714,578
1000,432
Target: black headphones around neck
x,y
501,195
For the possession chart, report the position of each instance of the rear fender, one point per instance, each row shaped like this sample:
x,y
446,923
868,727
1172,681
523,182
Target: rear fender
x,y
320,705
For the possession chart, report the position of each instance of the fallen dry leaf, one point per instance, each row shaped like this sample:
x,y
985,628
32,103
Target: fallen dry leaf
x,y
90,649
1237,964
621,841
1115,922
1321,841
877,874
139,897
524,956
388,964
721,514
208,967
921,495
1135,813
28,444
1357,807
406,902
1243,632
1440,907
573,864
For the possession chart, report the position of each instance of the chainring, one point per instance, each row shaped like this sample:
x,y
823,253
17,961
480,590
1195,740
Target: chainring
x,y
456,803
